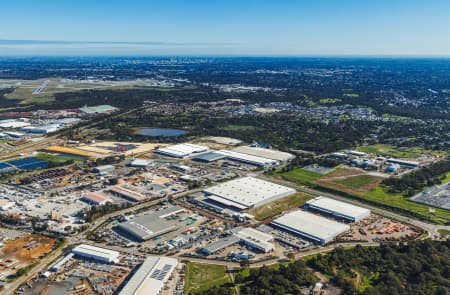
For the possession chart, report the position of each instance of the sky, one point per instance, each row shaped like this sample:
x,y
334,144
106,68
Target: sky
x,y
226,27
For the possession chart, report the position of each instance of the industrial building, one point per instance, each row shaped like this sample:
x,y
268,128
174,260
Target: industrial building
x,y
247,192
103,170
410,164
127,194
208,157
183,150
96,253
249,236
140,163
150,225
151,276
276,155
249,159
311,226
338,209
42,129
61,263
95,199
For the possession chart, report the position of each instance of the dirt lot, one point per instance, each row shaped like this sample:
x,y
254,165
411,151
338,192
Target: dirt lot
x,y
27,249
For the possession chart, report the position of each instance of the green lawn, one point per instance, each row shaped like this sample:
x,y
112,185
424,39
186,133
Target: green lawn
x,y
200,277
351,94
301,176
238,127
390,151
329,100
278,206
357,181
444,232
379,195
54,159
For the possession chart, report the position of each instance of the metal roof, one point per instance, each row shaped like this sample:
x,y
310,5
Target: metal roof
x,y
265,153
311,225
149,279
343,209
248,191
209,157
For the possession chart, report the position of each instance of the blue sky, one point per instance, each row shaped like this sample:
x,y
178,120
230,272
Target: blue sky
x,y
245,27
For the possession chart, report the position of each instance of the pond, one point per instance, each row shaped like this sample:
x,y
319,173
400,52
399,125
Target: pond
x,y
155,132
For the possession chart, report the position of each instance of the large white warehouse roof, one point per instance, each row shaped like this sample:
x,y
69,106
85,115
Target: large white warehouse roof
x,y
249,159
314,227
182,150
96,253
150,277
338,209
265,153
247,192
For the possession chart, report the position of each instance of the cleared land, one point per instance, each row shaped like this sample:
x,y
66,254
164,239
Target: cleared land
x,y
278,206
390,151
200,277
300,175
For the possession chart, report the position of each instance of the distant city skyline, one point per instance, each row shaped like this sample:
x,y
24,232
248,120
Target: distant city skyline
x,y
230,28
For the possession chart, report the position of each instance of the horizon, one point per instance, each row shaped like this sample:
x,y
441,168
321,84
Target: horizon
x,y
200,28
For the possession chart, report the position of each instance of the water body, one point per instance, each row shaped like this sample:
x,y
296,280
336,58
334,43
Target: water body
x,y
155,132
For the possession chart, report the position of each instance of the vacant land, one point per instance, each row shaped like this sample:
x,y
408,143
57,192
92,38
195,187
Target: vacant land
x,y
278,206
359,181
391,151
201,277
379,195
300,175
342,172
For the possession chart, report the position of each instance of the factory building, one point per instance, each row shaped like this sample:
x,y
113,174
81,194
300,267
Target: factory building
x,y
95,199
316,228
251,237
208,157
43,129
151,276
96,253
276,155
183,150
127,194
410,164
247,192
150,225
338,209
249,159
103,170
140,163
100,109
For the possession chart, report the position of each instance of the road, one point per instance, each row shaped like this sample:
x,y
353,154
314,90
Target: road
x,y
432,229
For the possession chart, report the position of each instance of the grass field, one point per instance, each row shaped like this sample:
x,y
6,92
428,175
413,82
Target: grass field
x,y
379,195
351,94
300,176
278,206
358,182
444,232
390,151
238,127
329,100
54,159
200,277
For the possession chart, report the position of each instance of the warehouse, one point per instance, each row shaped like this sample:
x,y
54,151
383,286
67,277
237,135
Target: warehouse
x,y
100,109
95,199
310,226
140,163
276,155
103,170
246,192
249,159
150,225
338,209
208,157
96,253
151,276
256,239
183,150
410,164
121,192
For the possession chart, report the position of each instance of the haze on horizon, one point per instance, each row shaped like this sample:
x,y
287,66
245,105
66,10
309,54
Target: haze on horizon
x,y
252,27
